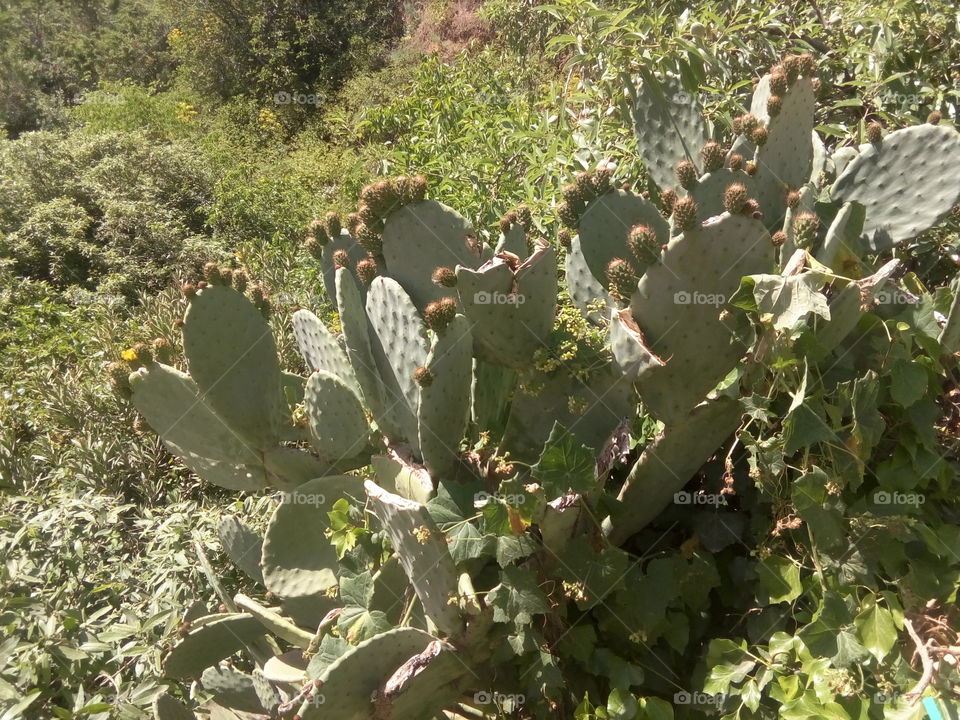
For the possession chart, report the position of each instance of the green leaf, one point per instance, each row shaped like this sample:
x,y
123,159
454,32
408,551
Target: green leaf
x,y
780,577
517,598
876,629
820,510
789,299
908,383
513,547
565,464
622,705
655,709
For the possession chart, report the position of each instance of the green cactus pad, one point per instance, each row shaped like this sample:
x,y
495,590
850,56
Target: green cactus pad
x,y
298,559
629,349
274,622
421,237
212,642
511,311
677,308
167,707
669,126
354,251
668,463
422,549
232,689
841,248
320,349
338,427
513,241
786,159
403,478
492,388
289,668
908,182
242,545
266,693
708,193
445,403
289,467
606,224
357,340
425,684
233,359
390,586
225,474
350,681
590,410
841,157
400,346
170,402
588,294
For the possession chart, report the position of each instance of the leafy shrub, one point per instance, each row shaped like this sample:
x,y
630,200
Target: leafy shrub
x,y
111,210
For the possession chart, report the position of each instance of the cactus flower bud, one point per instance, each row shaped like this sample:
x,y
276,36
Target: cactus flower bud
x,y
751,168
791,66
211,273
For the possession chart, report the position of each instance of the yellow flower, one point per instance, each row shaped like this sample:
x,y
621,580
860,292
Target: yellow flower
x,y
129,354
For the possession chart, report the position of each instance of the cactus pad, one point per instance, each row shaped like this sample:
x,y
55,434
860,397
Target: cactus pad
x,y
445,403
218,638
320,349
586,291
242,545
422,236
338,427
892,180
422,549
233,359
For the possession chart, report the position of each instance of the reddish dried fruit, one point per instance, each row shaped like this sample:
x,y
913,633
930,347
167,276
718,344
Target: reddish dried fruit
x,y
735,161
643,243
713,156
438,315
423,377
734,198
622,279
341,259
366,271
685,214
445,277
686,174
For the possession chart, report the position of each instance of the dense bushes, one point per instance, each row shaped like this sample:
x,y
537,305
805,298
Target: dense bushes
x,y
112,211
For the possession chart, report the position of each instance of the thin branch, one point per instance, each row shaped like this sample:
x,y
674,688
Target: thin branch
x,y
925,660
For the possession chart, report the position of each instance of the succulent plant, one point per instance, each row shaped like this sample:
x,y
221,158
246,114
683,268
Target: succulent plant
x,y
452,380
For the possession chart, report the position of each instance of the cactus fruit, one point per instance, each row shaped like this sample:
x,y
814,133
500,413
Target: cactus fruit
x,y
774,105
874,132
644,244
366,271
805,227
423,376
445,277
563,238
934,117
735,198
668,199
438,315
713,156
685,214
567,215
341,259
778,86
622,278
759,136
778,238
735,161
686,174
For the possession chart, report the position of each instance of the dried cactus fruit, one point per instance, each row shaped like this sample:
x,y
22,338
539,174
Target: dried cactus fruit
x,y
240,280
188,290
774,105
438,315
874,132
778,84
686,174
332,224
564,238
369,239
668,198
622,279
418,188
934,117
525,216
751,168
685,214
444,277
568,216
353,221
423,377
778,238
713,156
341,259
366,269
759,136
735,161
791,66
808,66
735,198
644,244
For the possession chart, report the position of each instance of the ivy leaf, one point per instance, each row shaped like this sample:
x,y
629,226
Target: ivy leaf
x,y
908,383
565,464
728,663
819,509
357,624
789,299
849,650
511,548
655,709
621,705
780,578
517,598
876,629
